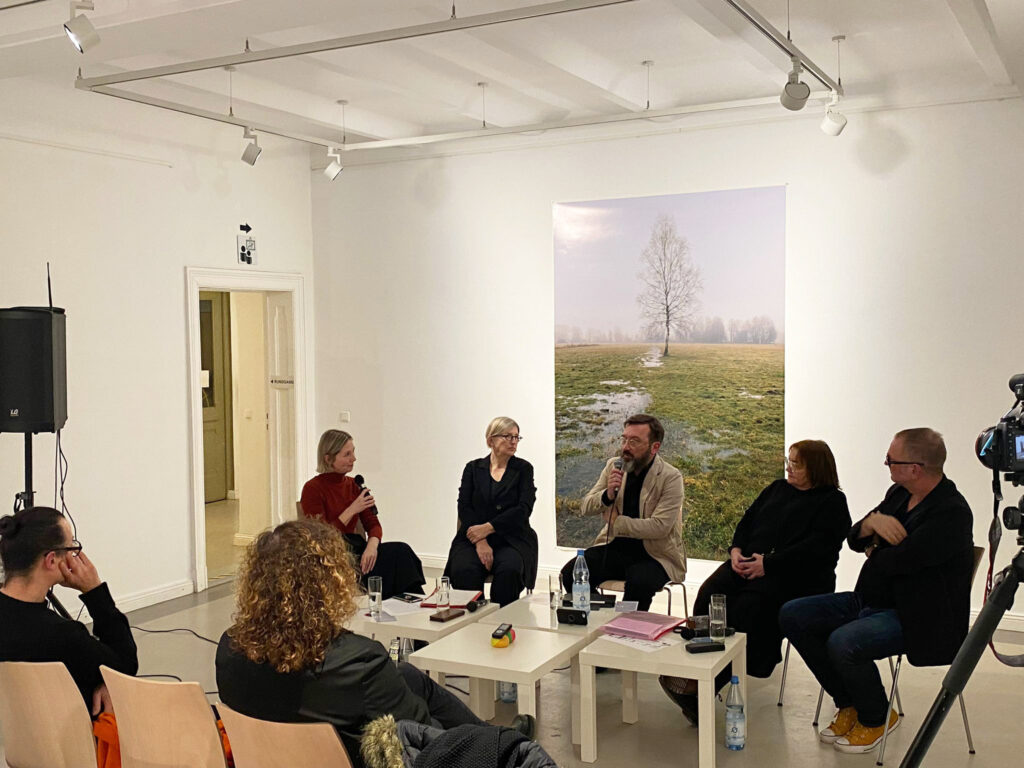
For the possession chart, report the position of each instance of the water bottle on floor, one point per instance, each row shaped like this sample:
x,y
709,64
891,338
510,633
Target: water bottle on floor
x,y
581,583
735,720
508,692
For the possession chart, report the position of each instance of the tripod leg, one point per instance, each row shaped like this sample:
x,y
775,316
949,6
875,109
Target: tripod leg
x,y
888,710
967,726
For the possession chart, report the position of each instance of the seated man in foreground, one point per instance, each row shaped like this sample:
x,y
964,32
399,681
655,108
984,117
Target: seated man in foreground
x,y
640,497
38,552
912,596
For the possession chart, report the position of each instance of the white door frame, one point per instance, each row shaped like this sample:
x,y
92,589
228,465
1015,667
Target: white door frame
x,y
201,279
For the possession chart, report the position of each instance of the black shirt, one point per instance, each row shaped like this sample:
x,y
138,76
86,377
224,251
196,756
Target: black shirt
x,y
632,484
32,632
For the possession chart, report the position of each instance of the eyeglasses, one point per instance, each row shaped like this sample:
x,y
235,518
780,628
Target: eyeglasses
x,y
511,438
890,462
791,464
76,547
633,442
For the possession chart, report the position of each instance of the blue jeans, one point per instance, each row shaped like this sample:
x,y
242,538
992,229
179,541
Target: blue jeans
x,y
839,639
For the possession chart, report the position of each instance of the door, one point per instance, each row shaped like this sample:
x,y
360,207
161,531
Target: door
x,y
281,405
215,357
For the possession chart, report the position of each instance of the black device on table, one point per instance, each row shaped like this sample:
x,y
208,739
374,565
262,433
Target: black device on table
x,y
704,645
597,601
571,616
409,597
501,631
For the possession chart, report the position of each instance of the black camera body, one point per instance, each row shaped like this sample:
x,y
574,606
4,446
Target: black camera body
x,y
1001,448
571,616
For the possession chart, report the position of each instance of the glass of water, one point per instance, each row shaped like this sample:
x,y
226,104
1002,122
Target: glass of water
x,y
716,616
555,590
375,588
444,593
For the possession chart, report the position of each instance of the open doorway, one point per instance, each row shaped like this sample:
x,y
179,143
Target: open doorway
x,y
247,414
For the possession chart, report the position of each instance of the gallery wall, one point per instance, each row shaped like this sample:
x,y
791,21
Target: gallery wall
x,y
120,199
434,295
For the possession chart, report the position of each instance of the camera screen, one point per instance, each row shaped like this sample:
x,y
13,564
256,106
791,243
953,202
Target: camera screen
x,y
1020,447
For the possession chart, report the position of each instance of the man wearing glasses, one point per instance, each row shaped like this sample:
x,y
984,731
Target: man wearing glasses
x,y
38,552
912,596
640,497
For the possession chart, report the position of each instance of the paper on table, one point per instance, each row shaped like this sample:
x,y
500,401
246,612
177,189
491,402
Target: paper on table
x,y
626,606
647,646
384,617
400,607
458,598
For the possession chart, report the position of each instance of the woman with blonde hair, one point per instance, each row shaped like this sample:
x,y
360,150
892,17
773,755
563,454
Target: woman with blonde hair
x,y
288,657
494,534
342,501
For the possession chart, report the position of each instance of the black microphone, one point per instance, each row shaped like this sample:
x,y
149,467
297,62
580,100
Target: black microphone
x,y
359,484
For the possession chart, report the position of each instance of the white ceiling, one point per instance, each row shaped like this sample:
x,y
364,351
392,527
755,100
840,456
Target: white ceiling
x,y
558,68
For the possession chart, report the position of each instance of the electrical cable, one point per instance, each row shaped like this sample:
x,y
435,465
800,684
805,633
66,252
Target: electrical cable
x,y
175,629
456,688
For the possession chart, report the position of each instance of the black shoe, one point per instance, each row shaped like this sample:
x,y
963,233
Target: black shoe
x,y
687,702
525,724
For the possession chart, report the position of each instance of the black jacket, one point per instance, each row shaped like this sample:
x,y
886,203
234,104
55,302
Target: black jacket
x,y
506,505
927,576
355,683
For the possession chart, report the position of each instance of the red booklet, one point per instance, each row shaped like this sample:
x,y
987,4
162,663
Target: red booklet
x,y
642,624
459,598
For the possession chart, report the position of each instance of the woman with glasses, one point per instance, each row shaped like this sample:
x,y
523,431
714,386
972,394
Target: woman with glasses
x,y
38,552
785,546
341,501
494,535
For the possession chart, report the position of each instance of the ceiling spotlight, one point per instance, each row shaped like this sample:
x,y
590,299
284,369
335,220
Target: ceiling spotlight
x,y
834,121
334,167
795,93
80,30
251,151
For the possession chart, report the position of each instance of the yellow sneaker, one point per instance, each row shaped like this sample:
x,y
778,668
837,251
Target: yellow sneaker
x,y
844,720
863,739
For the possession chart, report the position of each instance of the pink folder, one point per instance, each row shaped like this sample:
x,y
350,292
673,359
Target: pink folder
x,y
642,624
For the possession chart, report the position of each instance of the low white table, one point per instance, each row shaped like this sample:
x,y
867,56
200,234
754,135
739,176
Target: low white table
x,y
416,626
673,660
533,612
469,652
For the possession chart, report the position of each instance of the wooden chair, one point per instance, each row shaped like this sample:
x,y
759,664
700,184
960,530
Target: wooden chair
x,y
162,724
44,721
616,585
263,744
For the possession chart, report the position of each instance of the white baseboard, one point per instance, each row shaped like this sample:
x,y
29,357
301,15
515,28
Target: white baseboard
x,y
133,601
243,539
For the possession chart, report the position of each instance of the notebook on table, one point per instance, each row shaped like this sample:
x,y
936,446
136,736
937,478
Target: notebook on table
x,y
642,624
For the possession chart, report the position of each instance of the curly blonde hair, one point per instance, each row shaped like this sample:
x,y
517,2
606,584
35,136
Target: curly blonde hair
x,y
296,589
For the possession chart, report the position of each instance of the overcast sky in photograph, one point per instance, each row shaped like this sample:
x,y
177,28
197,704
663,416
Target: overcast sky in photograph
x,y
736,238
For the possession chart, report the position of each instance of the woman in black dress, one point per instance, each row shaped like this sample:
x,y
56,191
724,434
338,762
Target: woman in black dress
x,y
786,546
494,535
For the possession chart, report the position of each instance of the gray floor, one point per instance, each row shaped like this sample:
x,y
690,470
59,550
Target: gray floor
x,y
777,737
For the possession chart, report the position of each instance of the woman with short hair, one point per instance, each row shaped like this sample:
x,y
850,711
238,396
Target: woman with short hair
x,y
786,546
288,657
494,536
337,499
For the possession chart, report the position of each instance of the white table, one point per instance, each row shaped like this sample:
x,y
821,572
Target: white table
x,y
673,660
532,612
469,652
416,626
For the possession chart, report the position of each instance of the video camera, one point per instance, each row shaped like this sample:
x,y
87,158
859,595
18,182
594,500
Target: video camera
x,y
1001,448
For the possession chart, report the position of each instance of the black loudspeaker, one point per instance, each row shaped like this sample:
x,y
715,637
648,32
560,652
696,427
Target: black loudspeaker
x,y
33,369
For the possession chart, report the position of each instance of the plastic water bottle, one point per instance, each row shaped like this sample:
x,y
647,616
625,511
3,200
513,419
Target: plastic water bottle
x,y
735,720
581,583
395,651
508,692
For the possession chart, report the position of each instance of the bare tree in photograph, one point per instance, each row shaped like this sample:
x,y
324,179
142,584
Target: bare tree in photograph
x,y
672,282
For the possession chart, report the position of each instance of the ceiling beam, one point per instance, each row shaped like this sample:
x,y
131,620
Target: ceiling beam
x,y
976,23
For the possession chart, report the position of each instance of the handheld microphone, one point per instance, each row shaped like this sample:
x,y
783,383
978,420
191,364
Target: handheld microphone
x,y
359,484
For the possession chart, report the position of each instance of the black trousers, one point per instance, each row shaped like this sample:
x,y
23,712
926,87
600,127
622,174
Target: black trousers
x,y
643,575
467,572
397,565
446,709
752,607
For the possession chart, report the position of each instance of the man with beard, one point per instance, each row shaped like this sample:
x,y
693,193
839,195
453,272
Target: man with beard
x,y
641,501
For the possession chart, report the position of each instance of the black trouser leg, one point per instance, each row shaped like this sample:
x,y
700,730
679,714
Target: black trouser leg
x,y
444,706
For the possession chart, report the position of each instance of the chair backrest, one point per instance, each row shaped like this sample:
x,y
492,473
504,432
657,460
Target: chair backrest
x,y
45,723
262,744
163,724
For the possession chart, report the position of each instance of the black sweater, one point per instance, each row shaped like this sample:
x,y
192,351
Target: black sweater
x,y
799,533
32,632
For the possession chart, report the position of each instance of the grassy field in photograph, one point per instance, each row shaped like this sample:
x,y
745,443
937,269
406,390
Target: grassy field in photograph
x,y
722,407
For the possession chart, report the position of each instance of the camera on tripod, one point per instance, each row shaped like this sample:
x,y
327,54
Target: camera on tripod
x,y
1001,448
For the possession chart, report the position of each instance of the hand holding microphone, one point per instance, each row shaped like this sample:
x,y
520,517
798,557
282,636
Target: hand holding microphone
x,y
615,479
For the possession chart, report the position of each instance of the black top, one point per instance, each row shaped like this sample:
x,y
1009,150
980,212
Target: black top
x,y
507,505
632,484
927,576
799,533
32,632
355,683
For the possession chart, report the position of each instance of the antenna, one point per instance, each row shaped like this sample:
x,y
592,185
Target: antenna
x,y
49,287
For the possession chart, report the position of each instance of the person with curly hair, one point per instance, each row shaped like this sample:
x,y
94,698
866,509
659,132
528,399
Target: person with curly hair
x,y
289,658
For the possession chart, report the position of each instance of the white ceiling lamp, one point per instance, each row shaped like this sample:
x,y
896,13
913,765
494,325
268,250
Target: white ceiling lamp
x,y
834,121
334,153
79,29
251,151
795,93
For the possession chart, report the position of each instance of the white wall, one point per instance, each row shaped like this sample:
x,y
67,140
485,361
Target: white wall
x,y
120,198
434,295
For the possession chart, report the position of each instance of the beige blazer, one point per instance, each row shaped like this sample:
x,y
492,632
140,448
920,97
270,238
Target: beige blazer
x,y
660,525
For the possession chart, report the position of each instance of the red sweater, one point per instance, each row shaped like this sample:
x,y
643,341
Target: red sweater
x,y
329,494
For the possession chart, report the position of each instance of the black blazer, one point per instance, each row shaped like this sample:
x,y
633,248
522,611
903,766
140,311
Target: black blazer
x,y
928,574
506,505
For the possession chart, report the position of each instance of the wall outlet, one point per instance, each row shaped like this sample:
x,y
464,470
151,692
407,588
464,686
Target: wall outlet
x,y
345,417
246,250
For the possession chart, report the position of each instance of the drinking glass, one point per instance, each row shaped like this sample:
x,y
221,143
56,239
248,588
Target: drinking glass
x,y
555,590
375,588
444,593
716,616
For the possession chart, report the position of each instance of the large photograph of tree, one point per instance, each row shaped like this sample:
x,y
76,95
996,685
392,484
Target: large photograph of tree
x,y
672,305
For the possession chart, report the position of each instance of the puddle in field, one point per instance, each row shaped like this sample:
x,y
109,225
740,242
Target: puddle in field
x,y
652,359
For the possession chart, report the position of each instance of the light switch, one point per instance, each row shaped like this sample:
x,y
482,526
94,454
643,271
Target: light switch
x,y
345,417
